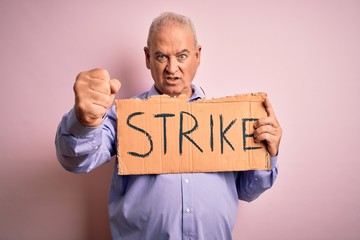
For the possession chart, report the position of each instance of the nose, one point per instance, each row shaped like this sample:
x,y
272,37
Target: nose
x,y
172,65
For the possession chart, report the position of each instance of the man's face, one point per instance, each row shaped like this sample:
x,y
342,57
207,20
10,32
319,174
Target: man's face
x,y
173,59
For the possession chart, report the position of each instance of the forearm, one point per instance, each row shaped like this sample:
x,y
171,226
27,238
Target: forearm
x,y
81,149
251,184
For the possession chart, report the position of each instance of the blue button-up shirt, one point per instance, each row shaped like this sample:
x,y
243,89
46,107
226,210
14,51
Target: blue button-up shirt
x,y
165,206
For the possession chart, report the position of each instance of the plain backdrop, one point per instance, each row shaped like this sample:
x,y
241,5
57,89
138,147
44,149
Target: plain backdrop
x,y
304,54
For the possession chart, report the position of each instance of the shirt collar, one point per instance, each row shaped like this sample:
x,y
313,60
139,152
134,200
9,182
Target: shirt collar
x,y
198,93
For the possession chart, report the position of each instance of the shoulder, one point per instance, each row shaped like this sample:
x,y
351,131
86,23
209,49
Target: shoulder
x,y
151,92
142,95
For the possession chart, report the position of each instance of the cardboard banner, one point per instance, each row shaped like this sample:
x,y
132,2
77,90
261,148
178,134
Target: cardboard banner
x,y
170,135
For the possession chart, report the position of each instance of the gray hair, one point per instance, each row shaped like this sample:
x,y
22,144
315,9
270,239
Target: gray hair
x,y
170,17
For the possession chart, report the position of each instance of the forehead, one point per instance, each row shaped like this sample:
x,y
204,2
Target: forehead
x,y
172,37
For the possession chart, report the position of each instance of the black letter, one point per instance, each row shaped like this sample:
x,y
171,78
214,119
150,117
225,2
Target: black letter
x,y
247,135
164,116
211,133
142,131
181,133
222,134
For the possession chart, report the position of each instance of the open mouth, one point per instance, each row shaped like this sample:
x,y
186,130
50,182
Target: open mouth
x,y
172,78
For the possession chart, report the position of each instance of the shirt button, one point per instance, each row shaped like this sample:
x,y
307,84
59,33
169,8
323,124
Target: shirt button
x,y
188,210
187,180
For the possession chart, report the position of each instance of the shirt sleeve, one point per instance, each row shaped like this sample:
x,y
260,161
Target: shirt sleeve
x,y
251,184
79,148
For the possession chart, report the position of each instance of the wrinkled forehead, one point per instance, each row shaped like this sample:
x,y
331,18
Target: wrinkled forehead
x,y
172,35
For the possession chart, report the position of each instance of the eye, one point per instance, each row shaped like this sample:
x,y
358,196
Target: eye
x,y
182,56
160,57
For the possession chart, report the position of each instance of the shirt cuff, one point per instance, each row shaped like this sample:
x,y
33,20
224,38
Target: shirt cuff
x,y
76,128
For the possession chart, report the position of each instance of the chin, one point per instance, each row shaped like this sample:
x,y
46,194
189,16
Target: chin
x,y
172,92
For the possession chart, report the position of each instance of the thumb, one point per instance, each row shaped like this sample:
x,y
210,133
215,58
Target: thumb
x,y
269,108
115,86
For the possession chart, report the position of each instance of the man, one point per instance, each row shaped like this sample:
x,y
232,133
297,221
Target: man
x,y
168,206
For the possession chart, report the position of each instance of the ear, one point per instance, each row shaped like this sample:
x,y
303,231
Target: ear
x,y
198,54
147,57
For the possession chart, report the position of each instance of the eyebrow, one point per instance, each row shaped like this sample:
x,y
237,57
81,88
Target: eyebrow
x,y
182,51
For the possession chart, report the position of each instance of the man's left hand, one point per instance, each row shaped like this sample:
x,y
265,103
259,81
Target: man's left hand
x,y
269,130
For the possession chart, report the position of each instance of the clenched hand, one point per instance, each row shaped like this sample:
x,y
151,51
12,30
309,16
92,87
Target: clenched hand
x,y
94,95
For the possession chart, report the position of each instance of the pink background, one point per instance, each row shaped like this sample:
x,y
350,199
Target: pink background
x,y
304,54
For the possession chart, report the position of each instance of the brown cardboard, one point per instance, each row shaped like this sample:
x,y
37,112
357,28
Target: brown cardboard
x,y
214,144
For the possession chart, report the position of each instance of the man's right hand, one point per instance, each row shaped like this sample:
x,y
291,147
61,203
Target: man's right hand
x,y
94,95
